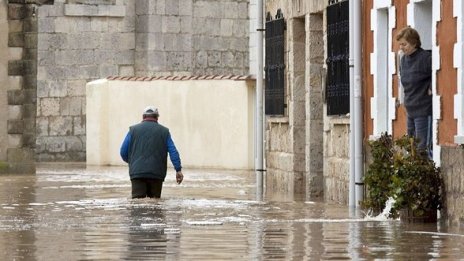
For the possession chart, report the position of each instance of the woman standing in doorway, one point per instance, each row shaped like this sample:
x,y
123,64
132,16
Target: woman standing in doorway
x,y
416,78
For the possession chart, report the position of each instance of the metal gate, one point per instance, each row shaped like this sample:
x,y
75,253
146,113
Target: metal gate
x,y
274,65
338,53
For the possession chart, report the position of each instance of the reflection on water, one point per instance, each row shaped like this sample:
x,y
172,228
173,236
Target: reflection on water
x,y
78,213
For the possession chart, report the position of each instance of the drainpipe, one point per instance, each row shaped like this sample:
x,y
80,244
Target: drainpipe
x,y
356,127
259,142
352,194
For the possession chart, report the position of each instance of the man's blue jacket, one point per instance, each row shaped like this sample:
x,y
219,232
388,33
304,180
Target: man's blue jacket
x,y
145,148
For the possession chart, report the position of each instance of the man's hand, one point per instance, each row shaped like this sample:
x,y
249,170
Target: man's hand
x,y
179,177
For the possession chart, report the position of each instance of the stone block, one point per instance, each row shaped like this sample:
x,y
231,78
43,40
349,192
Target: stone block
x,y
227,27
42,89
16,67
15,126
99,24
113,11
160,7
45,58
15,112
186,7
57,9
29,140
74,143
15,82
15,53
30,40
16,11
29,67
157,61
16,97
49,107
170,24
60,126
56,73
172,7
79,125
42,126
46,25
299,162
126,57
126,25
15,140
127,41
214,59
56,145
30,82
232,10
30,54
30,25
30,96
126,70
20,155
143,7
80,10
71,106
149,24
238,44
108,70
29,111
240,29
15,26
76,87
29,125
85,41
242,10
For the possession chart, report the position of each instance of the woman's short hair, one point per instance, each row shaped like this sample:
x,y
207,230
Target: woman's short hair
x,y
410,35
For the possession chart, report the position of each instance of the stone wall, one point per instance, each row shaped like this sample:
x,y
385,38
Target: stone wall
x,y
3,81
83,40
452,169
192,37
294,149
21,86
336,159
78,41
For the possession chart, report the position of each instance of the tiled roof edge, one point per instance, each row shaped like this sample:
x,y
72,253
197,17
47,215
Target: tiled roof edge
x,y
183,78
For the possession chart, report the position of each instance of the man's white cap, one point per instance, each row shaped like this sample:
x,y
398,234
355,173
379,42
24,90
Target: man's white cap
x,y
150,110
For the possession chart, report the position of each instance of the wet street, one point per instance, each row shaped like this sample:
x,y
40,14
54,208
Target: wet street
x,y
75,212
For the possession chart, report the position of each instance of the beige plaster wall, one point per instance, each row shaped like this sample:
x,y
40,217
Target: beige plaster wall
x,y
3,79
211,121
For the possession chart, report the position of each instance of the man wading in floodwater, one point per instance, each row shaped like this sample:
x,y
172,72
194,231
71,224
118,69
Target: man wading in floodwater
x,y
146,149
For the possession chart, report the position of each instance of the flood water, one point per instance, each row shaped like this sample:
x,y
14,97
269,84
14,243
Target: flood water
x,y
75,212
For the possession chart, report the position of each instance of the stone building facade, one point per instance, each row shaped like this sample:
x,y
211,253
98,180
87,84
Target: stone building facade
x,y
55,47
82,41
306,150
19,85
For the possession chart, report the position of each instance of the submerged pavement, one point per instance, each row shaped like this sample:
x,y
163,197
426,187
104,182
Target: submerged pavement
x,y
74,212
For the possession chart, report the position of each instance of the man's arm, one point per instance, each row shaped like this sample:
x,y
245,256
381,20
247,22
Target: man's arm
x,y
175,159
124,151
173,154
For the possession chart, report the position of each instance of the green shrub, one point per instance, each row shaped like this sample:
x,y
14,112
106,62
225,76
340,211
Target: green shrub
x,y
399,170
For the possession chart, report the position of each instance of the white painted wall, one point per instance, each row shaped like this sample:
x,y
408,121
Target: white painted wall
x,y
211,121
383,110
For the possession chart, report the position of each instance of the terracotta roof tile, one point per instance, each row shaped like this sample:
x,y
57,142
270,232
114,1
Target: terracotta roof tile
x,y
182,78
